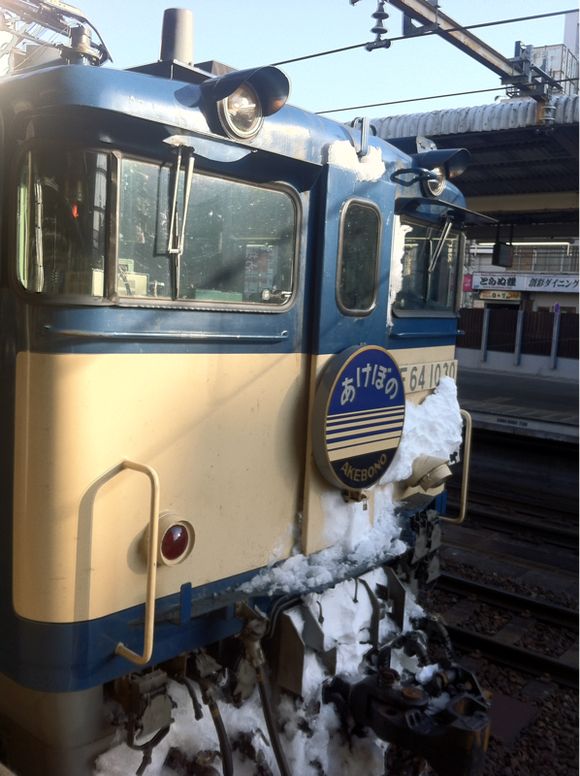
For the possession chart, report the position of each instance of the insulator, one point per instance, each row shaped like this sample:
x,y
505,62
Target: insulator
x,y
379,29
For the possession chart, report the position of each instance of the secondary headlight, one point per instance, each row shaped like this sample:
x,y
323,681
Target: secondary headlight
x,y
436,185
241,112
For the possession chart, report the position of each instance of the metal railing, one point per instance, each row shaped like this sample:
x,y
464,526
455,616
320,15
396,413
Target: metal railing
x,y
520,332
555,259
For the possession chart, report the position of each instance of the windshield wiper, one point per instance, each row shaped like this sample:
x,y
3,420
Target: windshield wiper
x,y
176,225
440,243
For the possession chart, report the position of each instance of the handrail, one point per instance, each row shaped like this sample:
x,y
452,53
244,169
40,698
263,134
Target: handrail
x,y
187,336
121,649
466,467
423,334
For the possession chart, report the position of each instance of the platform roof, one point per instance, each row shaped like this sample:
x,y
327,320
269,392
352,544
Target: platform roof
x,y
524,167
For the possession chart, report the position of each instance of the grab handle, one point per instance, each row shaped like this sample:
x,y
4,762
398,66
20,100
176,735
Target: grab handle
x,y
121,649
466,467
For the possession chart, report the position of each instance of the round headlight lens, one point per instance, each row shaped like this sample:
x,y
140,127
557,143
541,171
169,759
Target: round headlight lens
x,y
437,185
241,112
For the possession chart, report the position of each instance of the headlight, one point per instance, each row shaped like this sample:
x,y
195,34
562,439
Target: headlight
x,y
241,112
436,185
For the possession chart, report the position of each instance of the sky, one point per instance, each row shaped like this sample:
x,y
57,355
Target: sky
x,y
257,32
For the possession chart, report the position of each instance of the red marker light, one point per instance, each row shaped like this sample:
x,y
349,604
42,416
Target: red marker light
x,y
75,210
175,543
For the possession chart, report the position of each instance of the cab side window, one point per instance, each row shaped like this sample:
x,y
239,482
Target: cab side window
x,y
61,210
428,272
358,258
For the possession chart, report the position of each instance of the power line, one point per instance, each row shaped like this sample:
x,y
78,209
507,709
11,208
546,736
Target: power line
x,y
430,97
410,99
421,33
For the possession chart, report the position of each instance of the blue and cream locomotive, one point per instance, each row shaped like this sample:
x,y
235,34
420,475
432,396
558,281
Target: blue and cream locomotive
x,y
214,307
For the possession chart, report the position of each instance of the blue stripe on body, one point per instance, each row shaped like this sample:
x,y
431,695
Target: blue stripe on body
x,y
65,657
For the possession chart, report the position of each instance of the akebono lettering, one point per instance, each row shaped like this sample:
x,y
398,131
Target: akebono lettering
x,y
366,474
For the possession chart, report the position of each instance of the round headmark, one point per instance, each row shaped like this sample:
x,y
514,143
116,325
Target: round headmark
x,y
358,416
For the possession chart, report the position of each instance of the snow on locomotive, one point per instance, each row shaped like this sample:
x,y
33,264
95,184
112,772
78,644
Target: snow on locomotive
x,y
227,414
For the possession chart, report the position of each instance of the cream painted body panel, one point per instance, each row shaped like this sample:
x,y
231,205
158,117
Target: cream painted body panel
x,y
316,516
226,434
422,356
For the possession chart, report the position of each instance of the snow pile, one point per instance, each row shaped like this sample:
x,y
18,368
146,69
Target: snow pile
x,y
311,733
369,168
431,428
326,745
356,543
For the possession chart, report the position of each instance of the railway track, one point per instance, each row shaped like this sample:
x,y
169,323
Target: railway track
x,y
504,627
509,595
506,515
509,588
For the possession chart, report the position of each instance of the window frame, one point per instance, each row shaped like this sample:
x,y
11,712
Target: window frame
x,y
71,299
456,293
370,205
199,304
110,296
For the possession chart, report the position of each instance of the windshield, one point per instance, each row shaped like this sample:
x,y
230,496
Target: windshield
x,y
424,277
238,244
237,241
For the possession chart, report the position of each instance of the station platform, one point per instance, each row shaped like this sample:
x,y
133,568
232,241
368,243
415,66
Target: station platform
x,y
520,404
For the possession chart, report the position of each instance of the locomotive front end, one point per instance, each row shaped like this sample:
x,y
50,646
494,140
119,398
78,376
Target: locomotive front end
x,y
228,415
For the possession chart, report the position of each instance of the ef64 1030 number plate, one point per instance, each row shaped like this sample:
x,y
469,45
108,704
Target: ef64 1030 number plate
x,y
423,377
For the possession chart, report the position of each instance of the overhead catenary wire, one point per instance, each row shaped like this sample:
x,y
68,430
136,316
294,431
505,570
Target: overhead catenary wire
x,y
429,97
422,33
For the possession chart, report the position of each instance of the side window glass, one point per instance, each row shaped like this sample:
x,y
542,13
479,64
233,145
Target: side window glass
x,y
61,211
239,240
358,258
426,277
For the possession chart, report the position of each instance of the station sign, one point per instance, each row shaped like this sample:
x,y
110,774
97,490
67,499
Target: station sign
x,y
520,281
358,416
501,296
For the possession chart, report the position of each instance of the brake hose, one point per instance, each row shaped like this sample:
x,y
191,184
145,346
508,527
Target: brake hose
x,y
270,722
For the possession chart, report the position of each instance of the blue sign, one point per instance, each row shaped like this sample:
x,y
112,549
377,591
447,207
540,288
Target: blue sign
x,y
358,417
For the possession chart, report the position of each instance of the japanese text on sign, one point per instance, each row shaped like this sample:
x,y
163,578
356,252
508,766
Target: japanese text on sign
x,y
524,282
371,375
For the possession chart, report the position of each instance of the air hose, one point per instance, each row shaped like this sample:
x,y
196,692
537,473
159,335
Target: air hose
x,y
270,722
224,741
